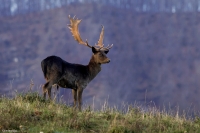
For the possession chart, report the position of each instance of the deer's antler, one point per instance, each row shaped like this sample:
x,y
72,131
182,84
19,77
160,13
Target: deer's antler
x,y
73,26
100,45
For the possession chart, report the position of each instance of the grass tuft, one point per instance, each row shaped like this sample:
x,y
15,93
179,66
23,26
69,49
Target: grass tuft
x,y
29,112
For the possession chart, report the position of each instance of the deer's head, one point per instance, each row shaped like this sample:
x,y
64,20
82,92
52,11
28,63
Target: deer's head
x,y
100,56
99,51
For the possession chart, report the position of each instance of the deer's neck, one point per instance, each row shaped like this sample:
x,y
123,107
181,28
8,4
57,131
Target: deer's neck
x,y
94,68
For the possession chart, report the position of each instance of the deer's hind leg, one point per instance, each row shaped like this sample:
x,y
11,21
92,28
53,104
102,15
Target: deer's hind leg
x,y
74,93
51,80
44,89
44,92
55,93
47,89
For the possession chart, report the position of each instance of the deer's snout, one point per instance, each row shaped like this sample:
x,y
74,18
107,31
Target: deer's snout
x,y
108,61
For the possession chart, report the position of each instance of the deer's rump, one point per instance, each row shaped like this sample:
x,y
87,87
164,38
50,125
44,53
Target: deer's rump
x,y
52,66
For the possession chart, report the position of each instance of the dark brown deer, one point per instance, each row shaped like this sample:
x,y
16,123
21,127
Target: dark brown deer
x,y
74,76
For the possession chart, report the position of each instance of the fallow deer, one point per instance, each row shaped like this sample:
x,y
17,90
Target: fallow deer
x,y
74,76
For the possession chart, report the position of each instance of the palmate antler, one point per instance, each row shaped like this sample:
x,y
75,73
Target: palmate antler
x,y
75,32
73,26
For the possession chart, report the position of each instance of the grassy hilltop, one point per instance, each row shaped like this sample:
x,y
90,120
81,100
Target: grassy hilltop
x,y
30,113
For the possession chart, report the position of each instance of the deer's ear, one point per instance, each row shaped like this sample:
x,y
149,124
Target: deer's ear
x,y
94,50
106,52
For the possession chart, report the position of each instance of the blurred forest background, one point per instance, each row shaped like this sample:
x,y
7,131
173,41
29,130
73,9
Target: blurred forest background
x,y
155,57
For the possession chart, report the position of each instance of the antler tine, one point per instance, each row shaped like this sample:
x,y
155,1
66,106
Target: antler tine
x,y
106,48
100,42
109,46
88,44
73,26
74,16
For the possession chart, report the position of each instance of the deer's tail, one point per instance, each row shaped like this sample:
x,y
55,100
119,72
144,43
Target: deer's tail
x,y
44,68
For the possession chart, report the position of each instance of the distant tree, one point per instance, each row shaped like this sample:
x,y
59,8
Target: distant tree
x,y
34,5
168,5
48,4
22,6
6,5
162,5
57,3
1,7
195,5
63,2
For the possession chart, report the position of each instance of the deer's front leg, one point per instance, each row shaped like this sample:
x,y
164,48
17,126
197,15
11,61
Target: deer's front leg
x,y
74,93
79,94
